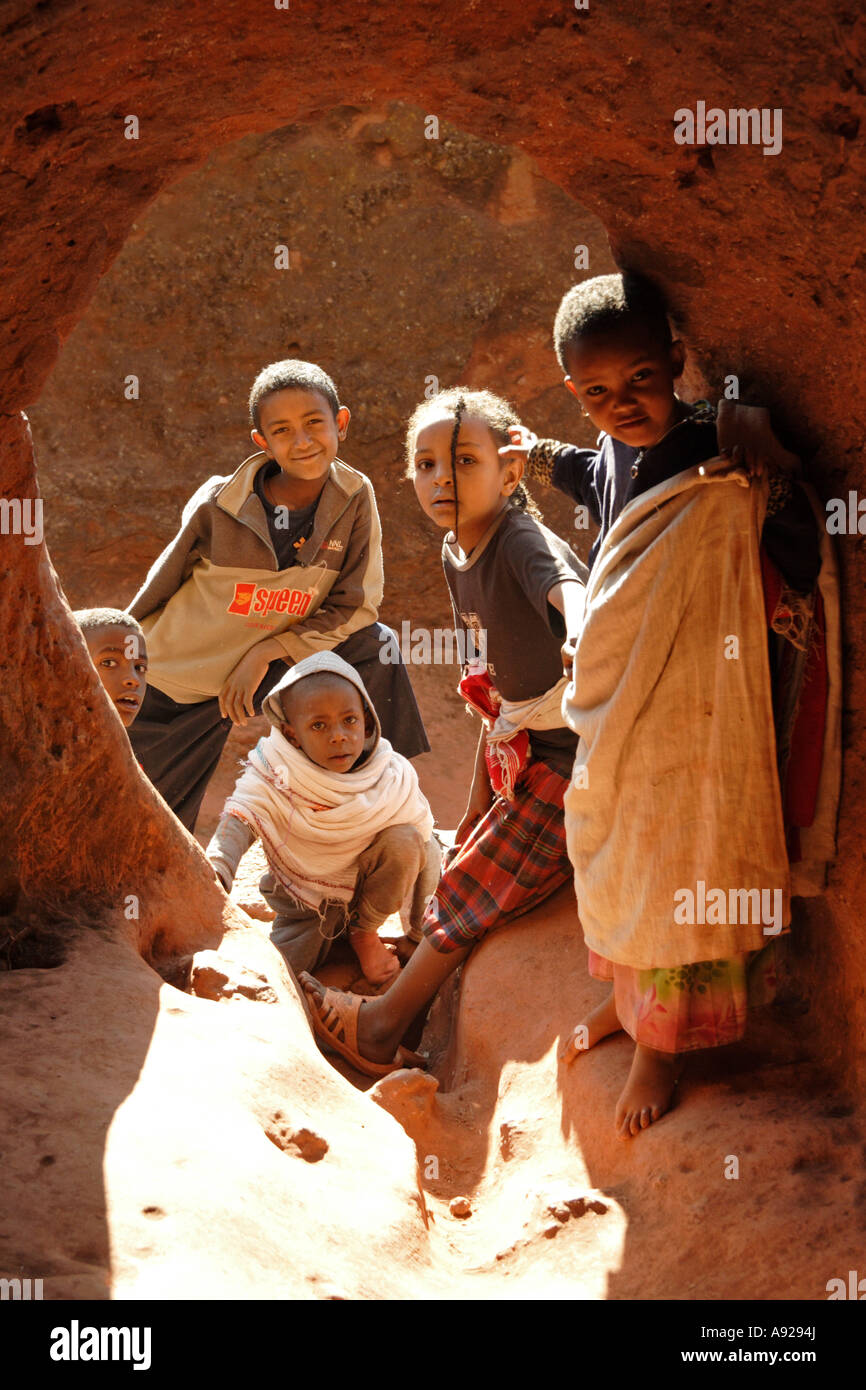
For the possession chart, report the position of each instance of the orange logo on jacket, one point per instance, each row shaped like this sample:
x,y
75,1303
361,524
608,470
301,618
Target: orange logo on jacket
x,y
248,599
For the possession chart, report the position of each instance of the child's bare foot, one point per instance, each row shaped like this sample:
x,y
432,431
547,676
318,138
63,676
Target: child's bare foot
x,y
599,1024
649,1090
377,960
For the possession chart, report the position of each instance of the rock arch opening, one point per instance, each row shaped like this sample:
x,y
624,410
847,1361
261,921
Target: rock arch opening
x,y
411,262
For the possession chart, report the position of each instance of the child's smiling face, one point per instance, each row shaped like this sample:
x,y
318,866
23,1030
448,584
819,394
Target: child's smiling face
x,y
300,431
484,483
624,379
120,658
325,719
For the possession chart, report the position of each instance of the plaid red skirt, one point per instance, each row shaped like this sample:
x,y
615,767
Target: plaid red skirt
x,y
513,858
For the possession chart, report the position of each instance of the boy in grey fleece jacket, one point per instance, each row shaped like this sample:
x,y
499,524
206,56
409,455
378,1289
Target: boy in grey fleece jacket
x,y
275,563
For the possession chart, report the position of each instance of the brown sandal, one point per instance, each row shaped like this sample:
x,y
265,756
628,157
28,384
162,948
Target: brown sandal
x,y
335,1021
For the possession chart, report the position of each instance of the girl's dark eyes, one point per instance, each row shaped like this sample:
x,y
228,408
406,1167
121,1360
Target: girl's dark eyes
x,y
422,465
109,661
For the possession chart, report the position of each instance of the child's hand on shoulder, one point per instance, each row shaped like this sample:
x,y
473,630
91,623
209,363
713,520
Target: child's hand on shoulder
x,y
236,696
522,440
745,435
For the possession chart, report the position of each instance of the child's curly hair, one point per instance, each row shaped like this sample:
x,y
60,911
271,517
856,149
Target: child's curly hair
x,y
610,302
498,415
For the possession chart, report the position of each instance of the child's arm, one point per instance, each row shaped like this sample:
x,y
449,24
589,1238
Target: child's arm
x,y
173,565
229,843
747,429
790,534
566,467
480,793
569,598
236,696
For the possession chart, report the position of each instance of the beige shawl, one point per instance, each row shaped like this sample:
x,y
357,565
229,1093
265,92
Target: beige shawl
x,y
675,793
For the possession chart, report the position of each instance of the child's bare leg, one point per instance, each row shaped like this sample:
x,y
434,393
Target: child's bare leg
x,y
388,869
647,1093
383,1020
599,1024
378,961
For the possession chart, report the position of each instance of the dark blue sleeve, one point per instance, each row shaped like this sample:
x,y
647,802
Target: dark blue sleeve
x,y
575,473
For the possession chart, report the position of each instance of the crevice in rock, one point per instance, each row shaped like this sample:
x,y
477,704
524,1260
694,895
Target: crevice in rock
x,y
36,941
301,1142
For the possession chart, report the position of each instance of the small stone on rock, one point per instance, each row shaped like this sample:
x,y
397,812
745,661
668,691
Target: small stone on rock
x,y
559,1210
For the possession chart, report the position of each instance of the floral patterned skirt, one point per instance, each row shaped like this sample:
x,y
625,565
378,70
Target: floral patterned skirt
x,y
686,1007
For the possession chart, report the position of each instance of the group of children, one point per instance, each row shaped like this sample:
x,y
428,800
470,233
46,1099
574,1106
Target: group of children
x,y
266,601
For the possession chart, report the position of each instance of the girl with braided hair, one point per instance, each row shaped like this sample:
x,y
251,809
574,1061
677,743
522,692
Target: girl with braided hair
x,y
517,592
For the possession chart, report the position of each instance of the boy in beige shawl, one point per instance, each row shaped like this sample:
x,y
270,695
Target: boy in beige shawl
x,y
705,692
345,828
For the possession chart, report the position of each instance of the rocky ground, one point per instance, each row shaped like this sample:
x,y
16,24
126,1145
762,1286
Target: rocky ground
x,y
529,1192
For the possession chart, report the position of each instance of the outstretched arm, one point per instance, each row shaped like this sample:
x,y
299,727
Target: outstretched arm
x,y
229,843
567,467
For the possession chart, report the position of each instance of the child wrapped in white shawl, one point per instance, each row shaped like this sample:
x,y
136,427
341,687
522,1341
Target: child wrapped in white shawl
x,y
345,828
